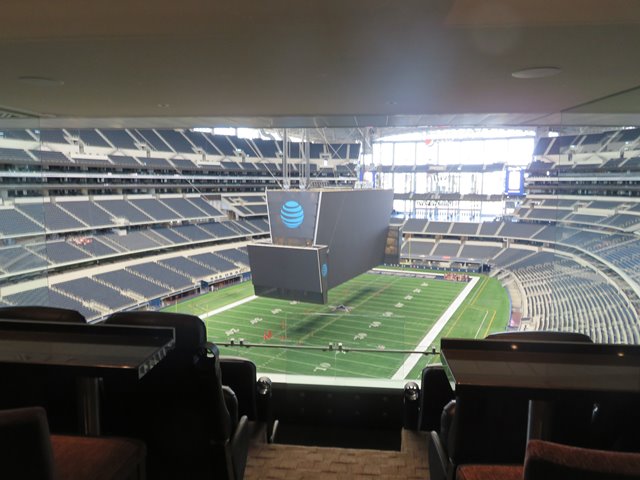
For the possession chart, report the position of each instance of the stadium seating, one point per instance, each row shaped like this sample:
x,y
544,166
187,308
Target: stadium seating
x,y
414,225
184,208
155,272
53,136
14,223
62,252
564,296
15,155
236,255
489,228
444,249
438,227
131,241
179,409
124,161
417,248
123,209
218,230
20,259
88,213
184,166
469,229
132,284
54,218
44,296
17,135
167,235
176,140
119,138
201,142
193,233
479,252
186,267
151,138
51,157
98,294
154,209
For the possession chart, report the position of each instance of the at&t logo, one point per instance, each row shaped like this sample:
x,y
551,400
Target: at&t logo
x,y
292,214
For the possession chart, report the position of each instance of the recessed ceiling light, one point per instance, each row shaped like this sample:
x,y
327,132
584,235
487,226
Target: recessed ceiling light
x,y
40,81
537,72
163,105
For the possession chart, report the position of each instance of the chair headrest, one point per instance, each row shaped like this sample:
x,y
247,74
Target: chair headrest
x,y
542,336
190,331
42,314
240,363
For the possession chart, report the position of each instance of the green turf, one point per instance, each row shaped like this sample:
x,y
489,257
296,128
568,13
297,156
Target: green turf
x,y
486,310
372,298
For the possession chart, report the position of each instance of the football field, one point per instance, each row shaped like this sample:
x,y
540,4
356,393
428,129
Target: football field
x,y
371,311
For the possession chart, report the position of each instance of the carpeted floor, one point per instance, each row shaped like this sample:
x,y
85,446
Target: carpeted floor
x,y
293,462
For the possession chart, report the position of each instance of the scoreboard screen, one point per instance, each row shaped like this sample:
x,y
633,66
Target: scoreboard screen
x,y
293,273
319,239
514,181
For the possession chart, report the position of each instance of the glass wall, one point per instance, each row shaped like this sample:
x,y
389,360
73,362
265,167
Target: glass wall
x,y
457,162
494,235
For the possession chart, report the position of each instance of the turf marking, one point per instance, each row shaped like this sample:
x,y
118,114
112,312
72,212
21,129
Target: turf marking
x,y
227,307
413,358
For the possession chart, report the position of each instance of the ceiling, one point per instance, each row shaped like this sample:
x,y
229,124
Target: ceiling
x,y
322,63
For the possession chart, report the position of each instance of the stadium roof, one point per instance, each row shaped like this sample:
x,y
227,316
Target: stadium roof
x,y
322,63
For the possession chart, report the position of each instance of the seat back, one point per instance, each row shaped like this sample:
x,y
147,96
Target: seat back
x,y
178,408
41,314
240,375
25,444
435,393
553,461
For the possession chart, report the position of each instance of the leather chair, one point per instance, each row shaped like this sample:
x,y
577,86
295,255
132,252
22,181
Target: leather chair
x,y
491,429
29,452
180,408
254,395
553,461
436,392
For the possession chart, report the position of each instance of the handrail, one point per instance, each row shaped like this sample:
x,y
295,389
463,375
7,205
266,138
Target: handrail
x,y
338,347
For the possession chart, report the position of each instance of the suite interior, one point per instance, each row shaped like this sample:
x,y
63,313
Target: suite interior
x,y
141,144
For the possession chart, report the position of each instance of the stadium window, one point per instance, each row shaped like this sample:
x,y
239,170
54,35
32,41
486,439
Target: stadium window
x,y
440,193
404,153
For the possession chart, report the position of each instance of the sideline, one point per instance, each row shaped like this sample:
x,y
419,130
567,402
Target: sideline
x,y
426,342
227,307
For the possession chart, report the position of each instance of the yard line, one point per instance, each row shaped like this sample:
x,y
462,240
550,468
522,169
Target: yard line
x,y
227,307
413,359
490,322
481,324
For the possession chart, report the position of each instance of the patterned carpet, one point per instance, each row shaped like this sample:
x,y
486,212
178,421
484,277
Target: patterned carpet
x,y
292,462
